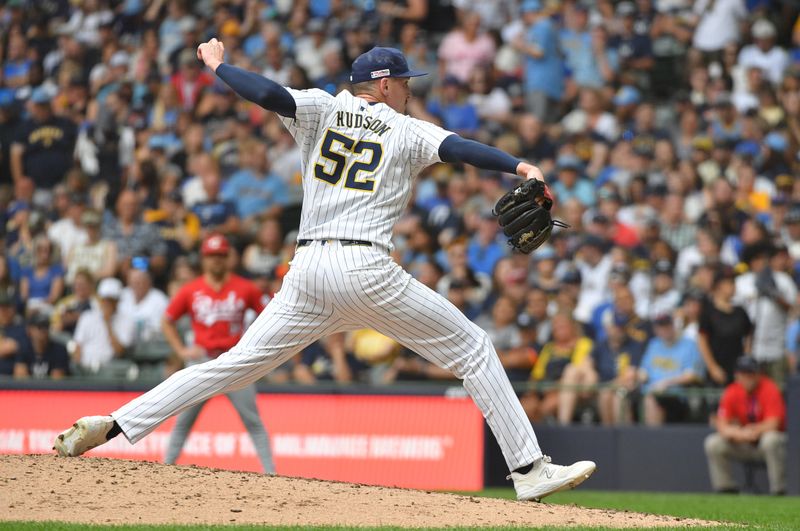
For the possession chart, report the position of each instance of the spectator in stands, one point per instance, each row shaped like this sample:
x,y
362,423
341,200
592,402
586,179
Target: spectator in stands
x,y
725,330
635,49
537,314
769,297
12,333
491,103
215,213
506,339
265,254
595,268
616,359
485,249
590,117
544,71
69,309
452,109
543,273
590,59
670,363
190,80
97,255
763,53
132,236
68,232
466,48
665,299
102,334
179,228
44,145
750,426
570,182
673,226
42,284
565,360
718,24
41,357
256,192
142,304
17,64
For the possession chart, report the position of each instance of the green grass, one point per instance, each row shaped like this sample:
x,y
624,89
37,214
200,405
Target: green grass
x,y
760,513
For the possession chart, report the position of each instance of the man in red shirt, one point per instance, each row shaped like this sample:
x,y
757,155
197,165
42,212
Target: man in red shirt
x,y
216,302
750,427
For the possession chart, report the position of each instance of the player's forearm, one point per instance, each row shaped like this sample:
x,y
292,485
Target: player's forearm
x,y
457,149
769,424
258,89
172,335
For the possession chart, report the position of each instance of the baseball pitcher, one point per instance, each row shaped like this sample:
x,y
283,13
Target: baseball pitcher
x,y
360,156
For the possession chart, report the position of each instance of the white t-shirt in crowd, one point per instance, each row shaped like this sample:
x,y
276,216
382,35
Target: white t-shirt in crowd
x,y
773,62
719,23
92,337
145,314
67,235
594,288
770,319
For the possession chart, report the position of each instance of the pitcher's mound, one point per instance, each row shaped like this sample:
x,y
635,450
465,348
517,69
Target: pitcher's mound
x,y
91,490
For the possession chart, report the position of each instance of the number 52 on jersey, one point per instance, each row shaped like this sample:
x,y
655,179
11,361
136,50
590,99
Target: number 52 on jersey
x,y
337,148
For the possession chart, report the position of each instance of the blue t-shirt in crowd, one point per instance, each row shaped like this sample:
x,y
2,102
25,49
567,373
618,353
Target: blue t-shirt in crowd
x,y
214,213
583,191
457,117
40,286
662,361
253,194
483,259
16,69
546,73
580,58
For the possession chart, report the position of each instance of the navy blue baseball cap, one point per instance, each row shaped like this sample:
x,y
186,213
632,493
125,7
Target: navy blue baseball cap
x,y
381,62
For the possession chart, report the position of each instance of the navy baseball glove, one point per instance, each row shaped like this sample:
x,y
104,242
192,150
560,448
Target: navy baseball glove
x,y
524,214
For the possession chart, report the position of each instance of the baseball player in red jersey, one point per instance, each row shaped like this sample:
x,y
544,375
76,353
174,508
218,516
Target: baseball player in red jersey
x,y
216,302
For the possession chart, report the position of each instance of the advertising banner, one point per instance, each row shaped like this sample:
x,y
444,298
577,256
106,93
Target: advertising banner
x,y
419,442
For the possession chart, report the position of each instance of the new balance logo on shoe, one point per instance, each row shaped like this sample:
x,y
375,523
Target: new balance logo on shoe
x,y
537,484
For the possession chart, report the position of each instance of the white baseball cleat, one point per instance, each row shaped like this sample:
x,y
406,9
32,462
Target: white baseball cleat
x,y
545,478
85,434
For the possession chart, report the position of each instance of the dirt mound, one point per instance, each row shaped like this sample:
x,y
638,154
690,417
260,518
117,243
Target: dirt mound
x,y
92,490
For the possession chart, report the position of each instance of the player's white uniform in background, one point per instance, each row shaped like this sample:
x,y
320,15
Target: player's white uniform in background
x,y
359,163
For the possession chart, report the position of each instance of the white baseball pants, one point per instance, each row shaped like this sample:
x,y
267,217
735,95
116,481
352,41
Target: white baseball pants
x,y
331,288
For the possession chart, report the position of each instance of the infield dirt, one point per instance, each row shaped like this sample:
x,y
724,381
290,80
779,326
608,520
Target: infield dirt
x,y
109,491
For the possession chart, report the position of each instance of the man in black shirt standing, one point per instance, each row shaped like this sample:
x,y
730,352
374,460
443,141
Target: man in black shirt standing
x,y
44,144
41,357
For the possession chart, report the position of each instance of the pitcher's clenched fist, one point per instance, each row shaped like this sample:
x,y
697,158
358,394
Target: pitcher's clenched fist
x,y
211,53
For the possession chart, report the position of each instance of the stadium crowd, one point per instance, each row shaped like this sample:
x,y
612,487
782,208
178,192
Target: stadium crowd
x,y
668,131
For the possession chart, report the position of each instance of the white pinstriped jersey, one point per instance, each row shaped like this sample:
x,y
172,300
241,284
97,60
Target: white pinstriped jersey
x,y
359,161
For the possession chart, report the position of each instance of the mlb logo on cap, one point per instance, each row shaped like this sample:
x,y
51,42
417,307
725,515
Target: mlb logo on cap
x,y
381,62
216,244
